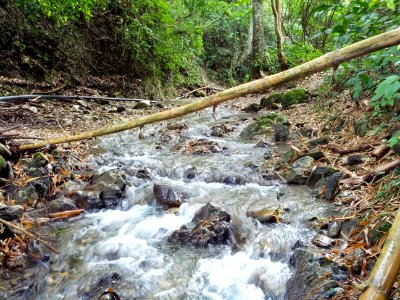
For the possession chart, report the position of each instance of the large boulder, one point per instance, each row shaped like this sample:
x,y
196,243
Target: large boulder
x,y
314,277
168,196
318,174
210,226
287,99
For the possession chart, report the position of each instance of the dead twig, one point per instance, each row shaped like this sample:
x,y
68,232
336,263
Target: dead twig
x,y
29,234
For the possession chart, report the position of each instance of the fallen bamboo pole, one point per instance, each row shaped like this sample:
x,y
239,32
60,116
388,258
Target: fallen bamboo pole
x,y
387,267
332,59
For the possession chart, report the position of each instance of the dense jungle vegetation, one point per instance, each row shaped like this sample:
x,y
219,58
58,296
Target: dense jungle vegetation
x,y
176,43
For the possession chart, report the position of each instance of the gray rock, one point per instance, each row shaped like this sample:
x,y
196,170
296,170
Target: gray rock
x,y
11,213
317,155
61,204
167,196
5,152
333,229
361,126
213,226
322,241
355,159
83,103
300,170
234,180
281,132
313,276
27,195
111,177
332,186
319,173
318,141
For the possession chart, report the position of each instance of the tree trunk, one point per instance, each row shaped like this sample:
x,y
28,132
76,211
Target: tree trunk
x,y
257,57
248,49
276,9
328,60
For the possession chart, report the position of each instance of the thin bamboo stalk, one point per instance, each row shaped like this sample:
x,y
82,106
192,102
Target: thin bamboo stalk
x,y
328,60
387,267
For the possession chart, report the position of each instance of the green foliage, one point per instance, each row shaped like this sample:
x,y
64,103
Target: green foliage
x,y
386,94
61,11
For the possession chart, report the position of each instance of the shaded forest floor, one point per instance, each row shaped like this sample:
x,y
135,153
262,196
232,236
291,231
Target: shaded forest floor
x,y
331,115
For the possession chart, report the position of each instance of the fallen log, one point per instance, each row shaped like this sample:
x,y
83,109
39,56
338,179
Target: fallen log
x,y
380,151
328,60
337,149
381,170
387,267
65,97
66,214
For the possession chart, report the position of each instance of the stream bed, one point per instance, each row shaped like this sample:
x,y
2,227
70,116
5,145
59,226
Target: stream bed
x,y
127,247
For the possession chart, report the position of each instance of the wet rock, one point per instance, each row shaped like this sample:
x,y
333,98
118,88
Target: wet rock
x,y
142,104
313,276
297,245
221,130
355,259
176,126
168,196
319,173
263,211
333,229
96,289
332,186
5,152
281,132
351,227
111,177
202,146
212,226
234,180
11,213
61,204
27,195
354,159
322,241
318,141
300,170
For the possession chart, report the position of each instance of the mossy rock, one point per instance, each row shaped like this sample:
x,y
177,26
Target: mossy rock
x,y
3,164
263,125
268,102
295,96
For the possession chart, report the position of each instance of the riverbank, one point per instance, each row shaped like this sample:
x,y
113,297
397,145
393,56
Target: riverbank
x,y
316,130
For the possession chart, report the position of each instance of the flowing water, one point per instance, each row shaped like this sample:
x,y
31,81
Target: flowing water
x,y
131,241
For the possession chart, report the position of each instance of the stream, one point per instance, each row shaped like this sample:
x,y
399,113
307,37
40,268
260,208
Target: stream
x,y
128,246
